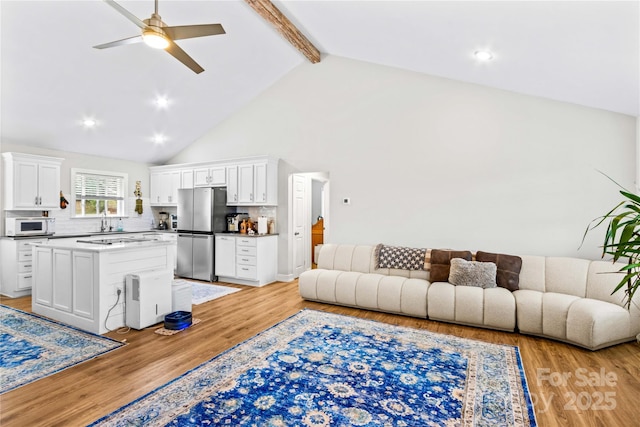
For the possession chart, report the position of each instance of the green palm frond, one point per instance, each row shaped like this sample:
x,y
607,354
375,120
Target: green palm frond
x,y
622,240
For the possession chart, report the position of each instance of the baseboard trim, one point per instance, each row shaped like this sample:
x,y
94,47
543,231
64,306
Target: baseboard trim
x,y
285,277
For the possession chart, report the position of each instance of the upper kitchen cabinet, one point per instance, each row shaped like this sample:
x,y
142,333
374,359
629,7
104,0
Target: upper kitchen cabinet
x,y
31,182
213,176
253,183
164,187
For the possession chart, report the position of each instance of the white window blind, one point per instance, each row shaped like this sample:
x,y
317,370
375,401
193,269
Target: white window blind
x,y
99,187
98,193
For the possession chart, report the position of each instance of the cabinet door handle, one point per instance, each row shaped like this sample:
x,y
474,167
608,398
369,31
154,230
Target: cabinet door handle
x,y
235,197
28,266
264,196
27,277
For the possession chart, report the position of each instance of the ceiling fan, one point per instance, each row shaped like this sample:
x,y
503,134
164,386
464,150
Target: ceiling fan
x,y
159,35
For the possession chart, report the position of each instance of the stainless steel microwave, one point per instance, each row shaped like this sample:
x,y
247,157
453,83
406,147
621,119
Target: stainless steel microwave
x,y
35,226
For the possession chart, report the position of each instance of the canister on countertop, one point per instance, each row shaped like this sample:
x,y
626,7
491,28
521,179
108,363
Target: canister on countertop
x,y
262,225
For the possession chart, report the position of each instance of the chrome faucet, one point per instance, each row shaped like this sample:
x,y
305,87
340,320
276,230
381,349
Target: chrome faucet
x,y
103,222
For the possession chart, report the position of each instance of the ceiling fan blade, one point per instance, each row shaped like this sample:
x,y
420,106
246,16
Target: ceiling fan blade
x,y
191,31
130,16
182,56
130,40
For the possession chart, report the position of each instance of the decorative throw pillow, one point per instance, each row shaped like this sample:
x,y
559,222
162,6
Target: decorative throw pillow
x,y
441,262
508,268
472,273
400,257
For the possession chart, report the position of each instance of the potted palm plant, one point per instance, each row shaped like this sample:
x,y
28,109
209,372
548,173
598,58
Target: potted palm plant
x,y
622,241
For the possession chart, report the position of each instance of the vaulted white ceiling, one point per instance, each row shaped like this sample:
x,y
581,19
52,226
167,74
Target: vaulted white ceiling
x,y
585,53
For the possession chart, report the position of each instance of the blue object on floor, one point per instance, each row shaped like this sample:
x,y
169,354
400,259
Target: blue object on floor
x,y
177,320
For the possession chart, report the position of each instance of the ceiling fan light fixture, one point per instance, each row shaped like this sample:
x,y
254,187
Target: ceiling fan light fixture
x,y
155,39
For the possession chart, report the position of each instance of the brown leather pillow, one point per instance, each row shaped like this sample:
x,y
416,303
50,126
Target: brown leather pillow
x,y
509,267
441,263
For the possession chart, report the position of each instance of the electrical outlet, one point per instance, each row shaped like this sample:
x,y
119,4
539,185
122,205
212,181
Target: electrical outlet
x,y
346,201
118,291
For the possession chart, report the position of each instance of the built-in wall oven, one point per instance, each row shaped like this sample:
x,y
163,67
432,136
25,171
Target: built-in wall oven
x,y
32,226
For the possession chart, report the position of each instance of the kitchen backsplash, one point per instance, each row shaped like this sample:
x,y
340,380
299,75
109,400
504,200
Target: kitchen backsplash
x,y
65,224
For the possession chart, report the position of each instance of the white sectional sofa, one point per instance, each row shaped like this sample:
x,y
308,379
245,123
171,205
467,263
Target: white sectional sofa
x,y
566,299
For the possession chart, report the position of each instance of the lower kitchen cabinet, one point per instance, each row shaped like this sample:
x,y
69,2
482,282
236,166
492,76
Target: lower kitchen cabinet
x,y
66,281
247,260
17,266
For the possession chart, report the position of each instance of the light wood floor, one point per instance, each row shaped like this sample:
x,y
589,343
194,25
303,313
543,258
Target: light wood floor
x,y
85,392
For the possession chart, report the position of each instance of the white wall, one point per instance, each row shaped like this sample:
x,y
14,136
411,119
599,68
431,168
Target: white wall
x,y
64,223
432,162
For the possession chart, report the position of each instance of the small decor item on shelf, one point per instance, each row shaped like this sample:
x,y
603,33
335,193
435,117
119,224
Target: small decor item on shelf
x,y
63,201
243,227
138,195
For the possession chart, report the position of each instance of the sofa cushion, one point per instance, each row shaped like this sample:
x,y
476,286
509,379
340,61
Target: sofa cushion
x,y
509,266
472,273
566,275
441,263
400,257
595,324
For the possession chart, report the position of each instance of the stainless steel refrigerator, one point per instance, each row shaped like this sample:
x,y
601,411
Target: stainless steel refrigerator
x,y
201,213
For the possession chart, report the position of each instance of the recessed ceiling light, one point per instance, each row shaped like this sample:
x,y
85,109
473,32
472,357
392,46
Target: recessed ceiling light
x,y
162,101
483,55
159,138
89,123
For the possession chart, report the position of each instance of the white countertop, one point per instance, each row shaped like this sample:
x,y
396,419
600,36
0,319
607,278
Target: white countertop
x,y
117,244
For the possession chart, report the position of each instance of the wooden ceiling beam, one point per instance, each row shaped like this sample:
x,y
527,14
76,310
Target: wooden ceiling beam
x,y
272,14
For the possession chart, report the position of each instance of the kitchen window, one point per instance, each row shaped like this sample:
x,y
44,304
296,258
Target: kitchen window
x,y
98,193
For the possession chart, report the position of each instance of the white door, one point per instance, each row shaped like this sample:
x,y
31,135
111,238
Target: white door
x,y
299,220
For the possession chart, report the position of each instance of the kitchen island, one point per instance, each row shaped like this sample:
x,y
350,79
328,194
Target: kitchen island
x,y
82,282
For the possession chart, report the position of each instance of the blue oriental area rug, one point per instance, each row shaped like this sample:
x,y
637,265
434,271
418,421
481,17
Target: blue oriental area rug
x,y
321,369
32,347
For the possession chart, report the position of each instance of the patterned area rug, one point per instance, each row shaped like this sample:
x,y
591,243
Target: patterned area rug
x,y
201,292
321,369
32,347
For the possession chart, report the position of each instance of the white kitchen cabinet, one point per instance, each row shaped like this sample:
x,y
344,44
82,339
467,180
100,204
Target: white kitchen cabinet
x,y
253,183
232,185
245,184
43,262
65,281
186,178
78,284
225,262
253,262
164,187
260,183
17,266
62,286
31,182
213,176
